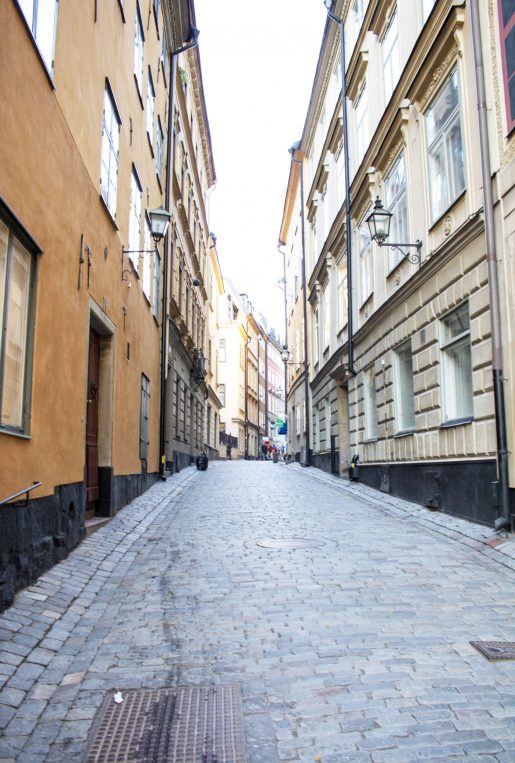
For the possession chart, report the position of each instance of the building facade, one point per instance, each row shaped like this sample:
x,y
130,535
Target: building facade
x,y
80,274
410,392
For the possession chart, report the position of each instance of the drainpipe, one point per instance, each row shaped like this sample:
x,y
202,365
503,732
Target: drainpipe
x,y
164,312
491,256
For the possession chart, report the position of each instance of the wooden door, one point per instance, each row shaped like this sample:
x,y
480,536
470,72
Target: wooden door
x,y
92,482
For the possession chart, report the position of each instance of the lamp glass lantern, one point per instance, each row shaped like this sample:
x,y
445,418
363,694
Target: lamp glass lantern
x,y
378,222
285,354
159,221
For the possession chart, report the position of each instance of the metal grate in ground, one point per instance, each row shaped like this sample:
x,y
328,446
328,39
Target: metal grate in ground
x,y
496,650
182,725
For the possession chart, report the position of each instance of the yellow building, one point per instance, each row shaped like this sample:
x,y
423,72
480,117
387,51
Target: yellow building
x,y
84,113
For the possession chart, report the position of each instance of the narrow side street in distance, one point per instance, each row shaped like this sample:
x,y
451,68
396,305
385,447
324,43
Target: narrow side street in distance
x,y
342,621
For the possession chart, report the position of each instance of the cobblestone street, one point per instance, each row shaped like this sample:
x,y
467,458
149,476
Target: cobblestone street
x,y
345,616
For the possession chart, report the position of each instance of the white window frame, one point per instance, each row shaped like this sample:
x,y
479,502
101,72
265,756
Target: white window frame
x,y
18,265
146,280
391,66
396,202
139,54
135,220
110,152
370,404
365,249
327,318
440,151
362,133
343,307
316,336
404,395
457,384
327,423
151,100
156,284
159,148
41,18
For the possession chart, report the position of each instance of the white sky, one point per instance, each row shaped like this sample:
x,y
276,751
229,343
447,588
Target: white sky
x,y
258,65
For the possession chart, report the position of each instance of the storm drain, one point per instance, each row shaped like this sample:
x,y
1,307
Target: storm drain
x,y
289,544
183,725
496,650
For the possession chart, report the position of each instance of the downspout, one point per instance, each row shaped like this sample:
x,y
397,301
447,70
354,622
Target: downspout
x,y
164,311
491,256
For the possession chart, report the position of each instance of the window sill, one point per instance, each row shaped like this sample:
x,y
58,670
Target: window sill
x,y
150,144
457,422
120,5
404,433
110,216
443,214
14,433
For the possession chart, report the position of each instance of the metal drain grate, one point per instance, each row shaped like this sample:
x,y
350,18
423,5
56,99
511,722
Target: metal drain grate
x,y
289,544
496,650
184,725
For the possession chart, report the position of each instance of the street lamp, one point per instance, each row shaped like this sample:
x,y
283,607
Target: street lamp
x,y
346,161
159,221
379,221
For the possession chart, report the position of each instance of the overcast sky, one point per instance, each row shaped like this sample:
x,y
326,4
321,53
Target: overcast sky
x,y
258,65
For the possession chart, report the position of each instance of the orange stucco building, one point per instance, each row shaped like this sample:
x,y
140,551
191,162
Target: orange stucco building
x,y
84,115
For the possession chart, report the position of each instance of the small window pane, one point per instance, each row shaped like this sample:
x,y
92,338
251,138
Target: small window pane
x,y
16,337
456,323
404,395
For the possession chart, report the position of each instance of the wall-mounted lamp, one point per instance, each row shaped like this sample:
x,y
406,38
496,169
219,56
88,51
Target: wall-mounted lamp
x,y
159,221
379,221
285,355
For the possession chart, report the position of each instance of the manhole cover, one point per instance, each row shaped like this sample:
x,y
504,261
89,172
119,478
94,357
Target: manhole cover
x,y
496,650
184,725
289,544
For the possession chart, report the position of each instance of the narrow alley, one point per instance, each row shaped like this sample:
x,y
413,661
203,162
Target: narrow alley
x,y
343,623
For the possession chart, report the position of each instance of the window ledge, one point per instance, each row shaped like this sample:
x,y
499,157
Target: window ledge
x,y
120,5
405,433
150,144
14,433
457,422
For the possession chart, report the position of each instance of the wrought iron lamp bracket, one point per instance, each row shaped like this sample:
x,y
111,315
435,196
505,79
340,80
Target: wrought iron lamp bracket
x,y
413,257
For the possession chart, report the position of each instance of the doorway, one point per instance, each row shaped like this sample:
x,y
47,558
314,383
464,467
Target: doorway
x,y
92,472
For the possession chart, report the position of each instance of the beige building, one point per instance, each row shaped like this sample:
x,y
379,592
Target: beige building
x,y
414,400
190,270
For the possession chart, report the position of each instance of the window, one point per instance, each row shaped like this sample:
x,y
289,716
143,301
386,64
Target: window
x,y
41,17
159,149
135,219
456,365
156,284
316,337
151,98
156,9
445,148
370,404
144,417
221,394
342,296
164,51
17,278
298,412
110,152
357,14
327,317
391,58
403,390
397,203
361,125
317,428
147,260
365,261
138,51
327,423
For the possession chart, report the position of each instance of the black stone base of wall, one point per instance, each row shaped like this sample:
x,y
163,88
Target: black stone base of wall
x,y
326,462
461,488
35,537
